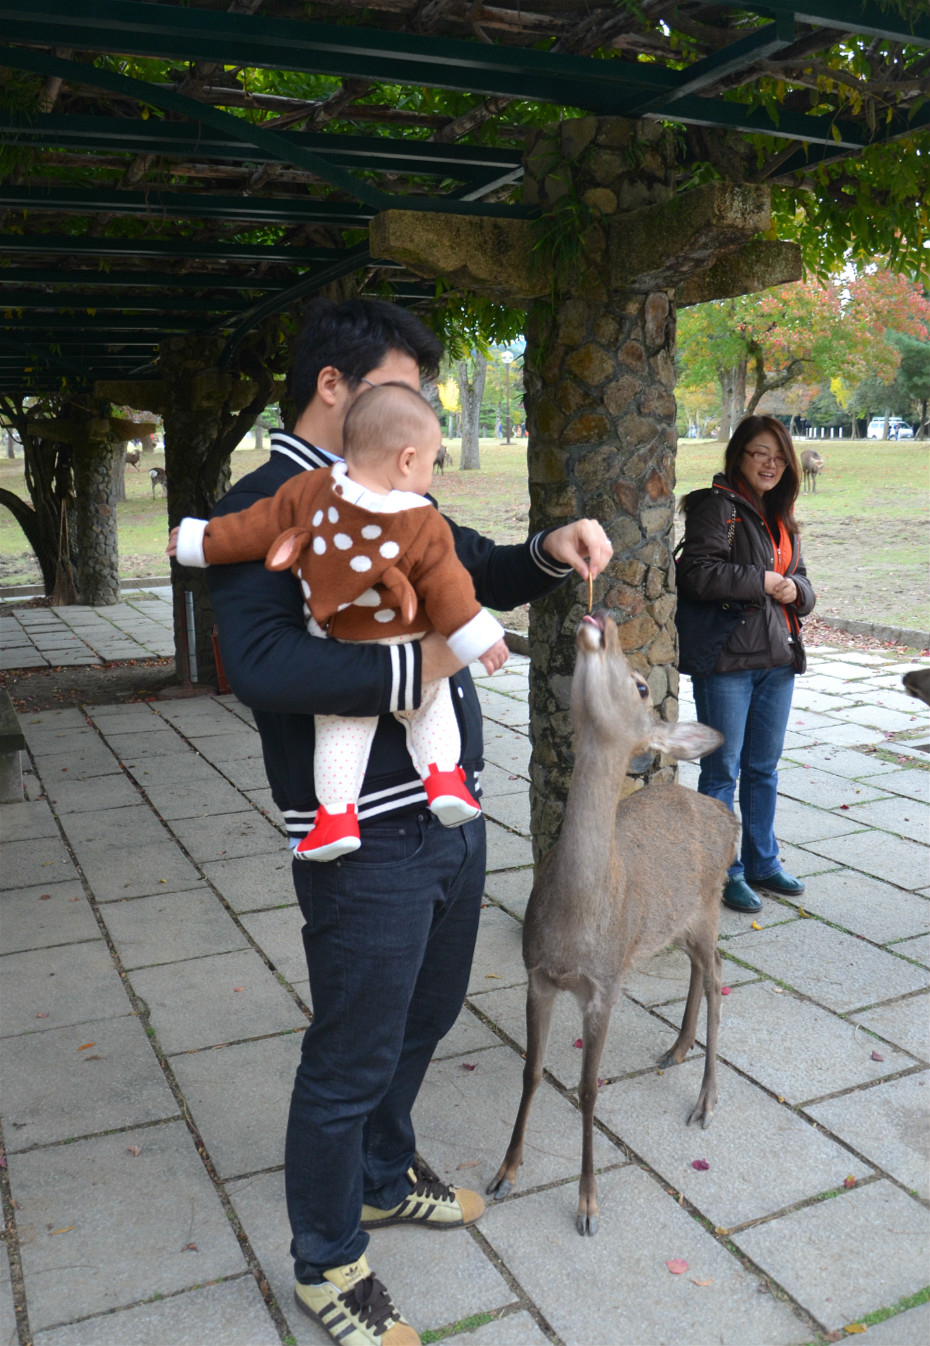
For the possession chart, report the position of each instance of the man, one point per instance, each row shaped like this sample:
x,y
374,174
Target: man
x,y
389,931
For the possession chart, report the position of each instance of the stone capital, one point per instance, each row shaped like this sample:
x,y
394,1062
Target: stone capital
x,y
492,257
146,394
755,266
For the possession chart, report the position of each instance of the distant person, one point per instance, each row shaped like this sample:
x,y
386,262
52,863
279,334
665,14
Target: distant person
x,y
377,562
742,545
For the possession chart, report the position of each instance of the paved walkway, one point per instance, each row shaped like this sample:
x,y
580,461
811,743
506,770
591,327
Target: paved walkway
x,y
155,990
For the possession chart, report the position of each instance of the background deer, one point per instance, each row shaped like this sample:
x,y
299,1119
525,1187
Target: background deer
x,y
443,459
811,466
625,879
132,457
159,478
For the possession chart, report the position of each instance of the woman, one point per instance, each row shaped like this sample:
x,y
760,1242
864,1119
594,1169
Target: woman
x,y
741,544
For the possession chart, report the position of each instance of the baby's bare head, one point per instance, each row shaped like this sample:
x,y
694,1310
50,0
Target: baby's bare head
x,y
385,419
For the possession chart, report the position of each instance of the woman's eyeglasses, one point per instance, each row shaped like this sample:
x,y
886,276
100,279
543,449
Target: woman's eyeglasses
x,y
760,456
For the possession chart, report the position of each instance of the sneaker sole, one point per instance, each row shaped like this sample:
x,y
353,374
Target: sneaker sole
x,y
453,812
413,1220
760,886
330,852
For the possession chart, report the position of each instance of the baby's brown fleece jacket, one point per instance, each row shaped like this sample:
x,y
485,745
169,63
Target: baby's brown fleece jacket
x,y
345,552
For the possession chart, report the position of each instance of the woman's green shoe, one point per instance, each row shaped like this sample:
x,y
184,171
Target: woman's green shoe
x,y
738,895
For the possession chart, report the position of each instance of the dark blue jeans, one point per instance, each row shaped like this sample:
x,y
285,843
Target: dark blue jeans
x,y
389,937
751,711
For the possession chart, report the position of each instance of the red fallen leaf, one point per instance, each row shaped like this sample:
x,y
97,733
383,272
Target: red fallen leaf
x,y
600,1083
44,897
677,1265
238,988
134,1150
466,1065
189,1248
579,1042
2,1161
85,1045
43,1015
844,806
700,1164
850,1181
877,1056
694,1281
74,899
725,990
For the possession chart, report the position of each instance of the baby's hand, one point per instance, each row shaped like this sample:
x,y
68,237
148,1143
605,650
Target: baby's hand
x,y
172,547
495,657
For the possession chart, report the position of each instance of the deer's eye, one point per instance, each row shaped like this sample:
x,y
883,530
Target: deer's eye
x,y
643,690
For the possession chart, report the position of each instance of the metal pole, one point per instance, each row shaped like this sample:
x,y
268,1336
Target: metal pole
x,y
191,635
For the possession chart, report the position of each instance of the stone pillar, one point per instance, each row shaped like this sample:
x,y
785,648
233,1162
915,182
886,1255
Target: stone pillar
x,y
95,473
599,378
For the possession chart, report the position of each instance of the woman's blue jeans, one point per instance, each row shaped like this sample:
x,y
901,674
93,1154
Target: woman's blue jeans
x,y
751,710
389,936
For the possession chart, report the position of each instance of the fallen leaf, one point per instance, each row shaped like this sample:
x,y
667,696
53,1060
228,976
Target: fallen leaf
x,y
491,976
189,1248
724,990
802,912
850,1181
600,1082
721,1231
700,1164
677,1265
44,1015
67,1230
777,989
469,1163
756,925
579,1042
44,897
2,1161
467,1066
856,1327
93,1057
84,1047
694,1281
238,988
877,1056
134,1149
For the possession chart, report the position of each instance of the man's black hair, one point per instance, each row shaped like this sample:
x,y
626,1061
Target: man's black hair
x,y
355,337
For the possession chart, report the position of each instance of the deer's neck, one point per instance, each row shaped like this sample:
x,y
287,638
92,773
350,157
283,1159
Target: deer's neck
x,y
586,843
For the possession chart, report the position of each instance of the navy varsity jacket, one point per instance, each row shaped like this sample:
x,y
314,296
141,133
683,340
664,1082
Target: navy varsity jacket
x,y
287,676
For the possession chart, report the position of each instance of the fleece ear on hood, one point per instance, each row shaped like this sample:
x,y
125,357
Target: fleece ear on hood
x,y
286,548
401,590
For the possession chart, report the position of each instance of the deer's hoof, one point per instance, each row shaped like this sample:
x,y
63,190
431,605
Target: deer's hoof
x,y
586,1224
499,1188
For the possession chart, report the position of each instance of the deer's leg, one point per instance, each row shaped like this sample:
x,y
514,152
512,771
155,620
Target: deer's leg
x,y
595,1032
703,1110
688,1031
540,998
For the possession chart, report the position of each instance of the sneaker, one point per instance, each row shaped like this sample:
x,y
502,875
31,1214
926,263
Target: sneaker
x,y
739,896
448,796
780,883
431,1204
355,1308
332,835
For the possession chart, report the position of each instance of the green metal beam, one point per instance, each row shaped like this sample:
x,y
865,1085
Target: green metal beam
x,y
132,280
849,16
62,301
156,205
72,246
97,326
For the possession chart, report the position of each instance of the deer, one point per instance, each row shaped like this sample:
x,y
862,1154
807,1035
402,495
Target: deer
x,y
626,878
443,459
811,466
132,457
159,478
917,683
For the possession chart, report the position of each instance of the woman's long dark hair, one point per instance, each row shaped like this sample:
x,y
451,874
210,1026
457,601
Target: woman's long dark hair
x,y
778,503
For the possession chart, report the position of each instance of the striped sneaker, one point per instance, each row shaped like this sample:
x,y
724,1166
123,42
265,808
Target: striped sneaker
x,y
431,1204
355,1308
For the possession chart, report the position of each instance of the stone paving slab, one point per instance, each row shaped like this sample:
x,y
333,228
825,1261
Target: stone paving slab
x,y
466,1117
193,799
502,709
808,1052
635,1039
865,906
45,915
94,760
895,859
232,1313
210,1001
507,750
910,783
8,1328
506,850
278,934
170,928
115,872
873,1250
905,819
910,1328
516,1329
850,735
665,977
917,948
511,888
841,761
184,768
825,789
498,959
125,828
802,863
128,719
511,811
98,1191
799,824
877,717
791,1161
616,1287
467,1036
68,984
250,1136
28,821
890,1126
834,969
93,1077
160,740
105,792
68,739
904,1022
254,882
226,836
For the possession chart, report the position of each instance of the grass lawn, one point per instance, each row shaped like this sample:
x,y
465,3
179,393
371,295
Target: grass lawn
x,y
866,537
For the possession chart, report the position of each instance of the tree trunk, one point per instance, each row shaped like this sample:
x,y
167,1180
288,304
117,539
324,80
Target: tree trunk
x,y
119,471
471,392
732,398
98,469
46,521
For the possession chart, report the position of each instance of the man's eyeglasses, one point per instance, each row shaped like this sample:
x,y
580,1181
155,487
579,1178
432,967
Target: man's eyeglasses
x,y
760,456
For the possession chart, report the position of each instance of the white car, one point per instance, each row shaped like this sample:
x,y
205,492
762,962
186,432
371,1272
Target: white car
x,y
897,429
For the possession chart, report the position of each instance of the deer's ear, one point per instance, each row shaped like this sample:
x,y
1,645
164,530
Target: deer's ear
x,y
286,548
685,741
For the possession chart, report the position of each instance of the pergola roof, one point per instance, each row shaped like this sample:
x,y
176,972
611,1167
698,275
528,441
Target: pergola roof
x,y
146,199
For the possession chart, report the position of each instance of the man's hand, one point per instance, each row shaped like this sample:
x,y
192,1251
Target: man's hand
x,y
495,657
172,547
583,545
438,661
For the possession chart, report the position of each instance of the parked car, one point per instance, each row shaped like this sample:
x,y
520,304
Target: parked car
x,y
897,429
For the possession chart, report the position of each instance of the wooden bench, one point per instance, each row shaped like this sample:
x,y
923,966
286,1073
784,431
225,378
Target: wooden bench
x,y
12,743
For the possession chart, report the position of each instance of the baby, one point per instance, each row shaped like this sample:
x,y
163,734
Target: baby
x,y
376,562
